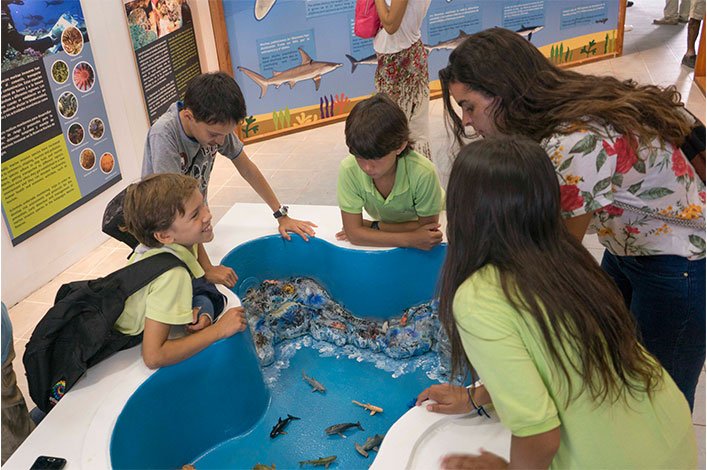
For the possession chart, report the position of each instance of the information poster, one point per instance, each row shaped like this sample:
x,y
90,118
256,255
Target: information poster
x,y
57,148
162,34
299,62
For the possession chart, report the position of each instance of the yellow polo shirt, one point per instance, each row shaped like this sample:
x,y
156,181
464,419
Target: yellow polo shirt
x,y
167,299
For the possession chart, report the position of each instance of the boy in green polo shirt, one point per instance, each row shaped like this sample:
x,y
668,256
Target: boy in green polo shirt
x,y
396,186
166,212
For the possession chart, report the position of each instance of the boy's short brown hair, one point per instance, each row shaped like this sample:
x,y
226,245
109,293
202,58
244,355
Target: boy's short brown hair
x,y
152,204
375,127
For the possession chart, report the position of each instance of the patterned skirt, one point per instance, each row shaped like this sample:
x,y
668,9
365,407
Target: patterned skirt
x,y
404,77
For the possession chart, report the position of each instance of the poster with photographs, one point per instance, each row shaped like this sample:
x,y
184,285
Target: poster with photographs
x,y
162,35
57,148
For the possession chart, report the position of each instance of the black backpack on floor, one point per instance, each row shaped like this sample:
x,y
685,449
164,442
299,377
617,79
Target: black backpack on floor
x,y
77,332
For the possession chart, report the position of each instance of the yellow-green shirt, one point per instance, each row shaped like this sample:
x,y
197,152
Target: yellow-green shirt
x,y
167,299
512,360
416,192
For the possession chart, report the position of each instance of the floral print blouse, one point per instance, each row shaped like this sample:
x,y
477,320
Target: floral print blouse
x,y
597,167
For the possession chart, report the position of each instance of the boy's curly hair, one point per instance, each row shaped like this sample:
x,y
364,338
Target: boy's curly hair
x,y
152,204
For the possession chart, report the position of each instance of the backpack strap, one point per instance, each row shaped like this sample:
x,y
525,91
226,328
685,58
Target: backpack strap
x,y
137,275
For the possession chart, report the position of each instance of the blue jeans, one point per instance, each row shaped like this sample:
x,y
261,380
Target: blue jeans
x,y
206,307
666,295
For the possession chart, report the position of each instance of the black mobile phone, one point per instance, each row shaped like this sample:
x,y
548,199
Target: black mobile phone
x,y
44,462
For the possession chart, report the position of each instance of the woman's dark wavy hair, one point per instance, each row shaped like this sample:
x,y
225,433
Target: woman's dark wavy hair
x,y
538,99
503,209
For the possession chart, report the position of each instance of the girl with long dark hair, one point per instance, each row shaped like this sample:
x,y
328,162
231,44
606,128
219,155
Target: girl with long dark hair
x,y
615,149
529,311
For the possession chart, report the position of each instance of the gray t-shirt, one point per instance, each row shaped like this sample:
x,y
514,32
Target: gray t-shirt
x,y
169,150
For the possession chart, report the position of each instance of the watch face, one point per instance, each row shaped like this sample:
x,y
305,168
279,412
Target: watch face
x,y
282,211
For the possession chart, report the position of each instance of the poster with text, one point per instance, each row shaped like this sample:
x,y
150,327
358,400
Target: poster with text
x,y
299,62
57,148
162,35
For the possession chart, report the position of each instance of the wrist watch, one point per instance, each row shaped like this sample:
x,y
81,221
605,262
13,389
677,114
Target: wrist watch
x,y
281,212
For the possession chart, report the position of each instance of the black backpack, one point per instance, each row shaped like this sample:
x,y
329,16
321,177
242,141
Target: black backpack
x,y
77,332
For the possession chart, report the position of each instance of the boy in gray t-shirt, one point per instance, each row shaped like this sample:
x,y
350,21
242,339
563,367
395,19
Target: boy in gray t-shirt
x,y
186,139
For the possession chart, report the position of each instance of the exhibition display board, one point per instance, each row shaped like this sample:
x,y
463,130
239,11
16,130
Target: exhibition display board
x,y
299,64
162,35
57,147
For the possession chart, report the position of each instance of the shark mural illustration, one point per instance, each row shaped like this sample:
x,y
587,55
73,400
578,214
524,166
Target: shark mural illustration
x,y
448,44
370,60
308,69
262,8
527,31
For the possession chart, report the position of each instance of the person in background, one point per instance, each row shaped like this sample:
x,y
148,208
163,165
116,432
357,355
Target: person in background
x,y
697,14
397,186
186,139
519,302
16,422
673,15
402,64
615,148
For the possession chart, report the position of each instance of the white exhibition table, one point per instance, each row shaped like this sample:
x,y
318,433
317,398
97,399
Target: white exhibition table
x,y
79,428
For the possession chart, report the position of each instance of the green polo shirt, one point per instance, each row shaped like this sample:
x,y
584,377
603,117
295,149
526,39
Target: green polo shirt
x,y
416,192
508,351
167,299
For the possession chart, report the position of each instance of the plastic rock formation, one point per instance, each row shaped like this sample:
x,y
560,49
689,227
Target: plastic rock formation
x,y
281,310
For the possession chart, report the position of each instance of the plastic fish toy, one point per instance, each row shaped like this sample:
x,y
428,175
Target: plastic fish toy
x,y
372,408
260,466
372,443
316,386
340,428
279,428
323,461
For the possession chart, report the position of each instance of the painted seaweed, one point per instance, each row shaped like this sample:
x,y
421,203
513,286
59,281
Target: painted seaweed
x,y
326,106
589,49
248,128
281,119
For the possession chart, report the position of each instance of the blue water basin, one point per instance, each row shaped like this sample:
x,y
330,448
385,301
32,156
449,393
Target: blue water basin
x,y
215,408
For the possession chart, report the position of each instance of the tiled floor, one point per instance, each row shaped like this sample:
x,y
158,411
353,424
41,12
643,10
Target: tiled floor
x,y
302,168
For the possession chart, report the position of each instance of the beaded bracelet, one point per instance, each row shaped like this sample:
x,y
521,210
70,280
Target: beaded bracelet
x,y
479,408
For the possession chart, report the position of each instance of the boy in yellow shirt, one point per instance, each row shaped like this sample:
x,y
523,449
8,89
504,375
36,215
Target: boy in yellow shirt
x,y
166,213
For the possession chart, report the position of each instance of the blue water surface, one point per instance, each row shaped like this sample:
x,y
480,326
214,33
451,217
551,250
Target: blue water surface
x,y
346,380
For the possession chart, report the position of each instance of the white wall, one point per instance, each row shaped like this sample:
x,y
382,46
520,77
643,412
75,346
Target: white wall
x,y
36,261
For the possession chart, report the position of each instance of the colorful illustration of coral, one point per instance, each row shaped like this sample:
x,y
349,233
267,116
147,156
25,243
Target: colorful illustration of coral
x,y
302,119
140,37
341,101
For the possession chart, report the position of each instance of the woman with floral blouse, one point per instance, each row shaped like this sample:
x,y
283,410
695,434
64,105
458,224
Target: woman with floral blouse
x,y
615,149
